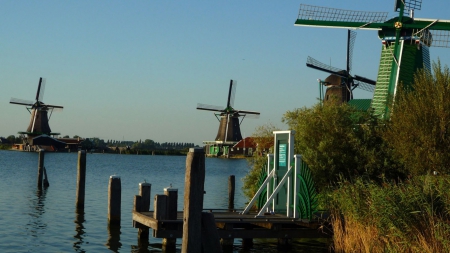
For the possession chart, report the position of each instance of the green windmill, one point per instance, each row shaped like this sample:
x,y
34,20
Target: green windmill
x,y
405,42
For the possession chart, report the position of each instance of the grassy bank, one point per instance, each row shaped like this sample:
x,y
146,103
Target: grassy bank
x,y
407,217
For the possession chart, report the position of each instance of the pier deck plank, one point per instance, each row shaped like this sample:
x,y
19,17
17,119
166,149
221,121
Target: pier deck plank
x,y
242,226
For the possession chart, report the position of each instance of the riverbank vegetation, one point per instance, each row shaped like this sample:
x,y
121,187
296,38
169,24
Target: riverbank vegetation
x,y
384,182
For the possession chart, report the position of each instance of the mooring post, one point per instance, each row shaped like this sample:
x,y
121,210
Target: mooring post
x,y
169,244
231,186
193,200
40,168
81,179
114,200
46,183
144,193
210,236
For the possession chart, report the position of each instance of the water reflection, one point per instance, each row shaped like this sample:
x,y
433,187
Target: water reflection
x,y
79,228
37,205
113,242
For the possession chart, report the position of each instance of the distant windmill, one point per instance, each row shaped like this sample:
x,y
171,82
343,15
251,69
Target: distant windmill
x,y
405,42
229,128
39,113
340,84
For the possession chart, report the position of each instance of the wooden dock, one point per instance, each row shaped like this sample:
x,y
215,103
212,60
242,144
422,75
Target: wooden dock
x,y
236,225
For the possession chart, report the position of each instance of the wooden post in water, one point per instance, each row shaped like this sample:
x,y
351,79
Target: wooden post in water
x,y
81,179
210,236
46,183
193,200
40,168
144,192
169,244
114,200
231,187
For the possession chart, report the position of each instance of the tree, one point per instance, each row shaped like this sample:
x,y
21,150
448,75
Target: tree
x,y
419,129
340,142
11,139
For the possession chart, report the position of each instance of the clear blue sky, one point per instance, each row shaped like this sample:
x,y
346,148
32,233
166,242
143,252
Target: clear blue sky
x,y
137,69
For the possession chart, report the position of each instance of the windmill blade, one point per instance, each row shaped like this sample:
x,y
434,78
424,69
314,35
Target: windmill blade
x,y
231,93
55,106
18,101
56,109
364,86
363,79
440,38
351,37
310,15
213,108
315,64
248,112
250,116
40,90
409,4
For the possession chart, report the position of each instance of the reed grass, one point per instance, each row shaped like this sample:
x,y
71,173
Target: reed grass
x,y
412,216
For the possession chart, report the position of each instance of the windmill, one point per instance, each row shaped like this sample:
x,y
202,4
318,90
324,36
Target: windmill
x,y
340,84
229,128
405,42
39,114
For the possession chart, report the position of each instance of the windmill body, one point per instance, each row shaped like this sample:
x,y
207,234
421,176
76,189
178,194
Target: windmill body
x,y
230,119
39,115
405,42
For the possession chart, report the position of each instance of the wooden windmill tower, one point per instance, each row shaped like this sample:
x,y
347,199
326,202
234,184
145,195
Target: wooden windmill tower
x,y
39,114
340,84
229,132
405,42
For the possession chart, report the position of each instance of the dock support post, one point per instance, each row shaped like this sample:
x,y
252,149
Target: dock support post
x,y
40,168
169,244
227,243
114,200
231,187
144,193
210,236
283,243
81,179
193,200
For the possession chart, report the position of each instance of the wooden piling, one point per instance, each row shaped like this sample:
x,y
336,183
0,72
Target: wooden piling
x,y
169,244
81,179
46,183
231,187
40,168
193,200
210,236
144,202
114,200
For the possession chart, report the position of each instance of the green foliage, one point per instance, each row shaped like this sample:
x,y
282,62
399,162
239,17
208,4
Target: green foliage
x,y
337,140
419,130
263,136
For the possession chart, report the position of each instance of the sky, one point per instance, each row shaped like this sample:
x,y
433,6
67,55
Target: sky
x,y
135,70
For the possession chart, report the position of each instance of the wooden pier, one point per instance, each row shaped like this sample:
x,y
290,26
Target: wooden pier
x,y
236,225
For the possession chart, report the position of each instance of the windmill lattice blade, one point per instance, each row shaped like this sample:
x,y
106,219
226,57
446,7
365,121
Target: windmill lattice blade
x,y
413,4
366,80
206,107
315,64
440,38
56,109
232,93
351,45
18,101
310,12
55,106
364,86
247,112
251,116
40,89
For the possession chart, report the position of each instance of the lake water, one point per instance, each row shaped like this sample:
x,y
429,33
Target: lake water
x,y
33,221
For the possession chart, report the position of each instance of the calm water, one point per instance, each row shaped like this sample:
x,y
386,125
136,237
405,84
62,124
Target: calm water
x,y
32,221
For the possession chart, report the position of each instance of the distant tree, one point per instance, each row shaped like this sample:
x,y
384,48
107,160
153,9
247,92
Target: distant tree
x,y
11,139
66,136
75,136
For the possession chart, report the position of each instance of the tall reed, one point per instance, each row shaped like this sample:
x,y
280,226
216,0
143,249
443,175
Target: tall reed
x,y
412,216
